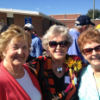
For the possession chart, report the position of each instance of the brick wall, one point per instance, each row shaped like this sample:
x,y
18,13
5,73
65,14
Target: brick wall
x,y
69,20
69,16
40,23
3,17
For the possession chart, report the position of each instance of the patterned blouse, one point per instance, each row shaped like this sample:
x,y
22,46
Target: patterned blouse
x,y
54,88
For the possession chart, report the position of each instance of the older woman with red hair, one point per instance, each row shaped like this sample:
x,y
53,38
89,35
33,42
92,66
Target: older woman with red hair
x,y
89,44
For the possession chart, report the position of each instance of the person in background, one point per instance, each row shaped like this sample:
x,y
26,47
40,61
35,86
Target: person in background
x,y
89,44
57,73
36,45
3,27
81,24
16,80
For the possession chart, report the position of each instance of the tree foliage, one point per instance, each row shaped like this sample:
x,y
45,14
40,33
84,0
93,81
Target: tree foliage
x,y
96,13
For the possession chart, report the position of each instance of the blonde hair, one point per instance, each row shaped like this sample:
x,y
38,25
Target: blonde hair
x,y
13,32
56,30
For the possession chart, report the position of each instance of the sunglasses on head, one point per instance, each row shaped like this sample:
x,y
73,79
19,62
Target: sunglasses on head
x,y
55,44
89,50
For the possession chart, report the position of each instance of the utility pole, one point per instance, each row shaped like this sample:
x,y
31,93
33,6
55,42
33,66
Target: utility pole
x,y
93,8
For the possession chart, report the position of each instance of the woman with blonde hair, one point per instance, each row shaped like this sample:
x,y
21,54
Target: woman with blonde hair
x,y
16,80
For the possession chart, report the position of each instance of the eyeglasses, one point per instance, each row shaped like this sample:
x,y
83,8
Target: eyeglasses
x,y
54,44
89,50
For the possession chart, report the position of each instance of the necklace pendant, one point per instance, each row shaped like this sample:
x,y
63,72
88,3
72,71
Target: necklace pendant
x,y
59,69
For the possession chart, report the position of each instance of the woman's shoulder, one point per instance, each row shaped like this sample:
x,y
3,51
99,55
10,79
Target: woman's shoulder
x,y
86,71
41,62
39,59
4,76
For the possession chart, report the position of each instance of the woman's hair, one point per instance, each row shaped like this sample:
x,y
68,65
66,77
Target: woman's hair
x,y
88,36
13,32
56,30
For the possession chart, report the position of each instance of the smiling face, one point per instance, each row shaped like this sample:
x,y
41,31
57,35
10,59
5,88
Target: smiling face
x,y
93,57
16,53
58,52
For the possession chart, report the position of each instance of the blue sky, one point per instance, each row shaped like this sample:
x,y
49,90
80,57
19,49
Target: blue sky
x,y
52,7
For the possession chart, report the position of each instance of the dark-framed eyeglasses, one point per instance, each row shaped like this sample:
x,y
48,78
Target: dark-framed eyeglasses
x,y
54,44
90,50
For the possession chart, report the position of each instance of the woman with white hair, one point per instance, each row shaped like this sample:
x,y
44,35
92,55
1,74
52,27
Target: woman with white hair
x,y
57,73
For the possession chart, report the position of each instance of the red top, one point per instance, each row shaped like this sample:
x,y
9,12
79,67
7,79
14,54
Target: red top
x,y
10,89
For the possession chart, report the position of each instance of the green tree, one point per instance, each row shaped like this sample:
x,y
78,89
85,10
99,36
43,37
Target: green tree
x,y
96,13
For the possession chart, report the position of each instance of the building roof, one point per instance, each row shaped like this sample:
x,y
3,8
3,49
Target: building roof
x,y
26,12
15,11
